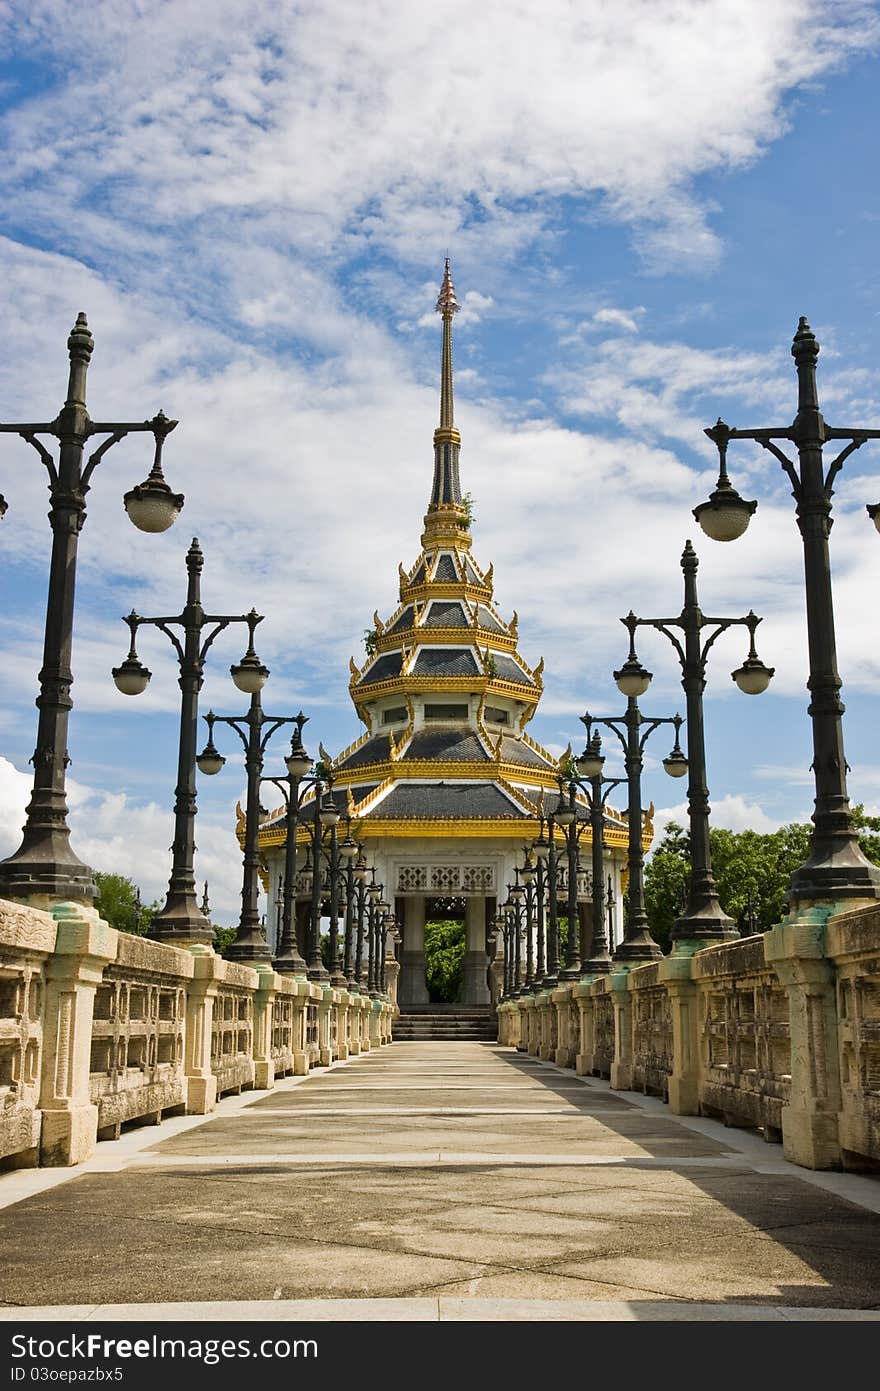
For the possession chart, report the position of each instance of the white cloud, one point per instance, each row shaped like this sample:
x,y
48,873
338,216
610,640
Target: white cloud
x,y
733,812
616,318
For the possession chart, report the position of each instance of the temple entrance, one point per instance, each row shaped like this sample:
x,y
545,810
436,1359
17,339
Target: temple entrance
x,y
443,957
445,943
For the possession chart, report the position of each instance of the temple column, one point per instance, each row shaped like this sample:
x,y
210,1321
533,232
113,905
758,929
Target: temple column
x,y
475,990
411,987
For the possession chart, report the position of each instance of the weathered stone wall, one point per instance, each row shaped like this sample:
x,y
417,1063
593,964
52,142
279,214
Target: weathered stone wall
x,y
99,1028
779,1032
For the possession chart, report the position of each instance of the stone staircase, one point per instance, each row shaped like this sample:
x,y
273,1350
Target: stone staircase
x,y
446,1023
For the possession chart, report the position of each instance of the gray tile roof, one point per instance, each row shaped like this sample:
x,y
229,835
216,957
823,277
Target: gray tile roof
x,y
464,801
445,661
470,573
445,572
445,613
457,744
508,670
489,621
373,751
515,751
404,621
387,665
419,576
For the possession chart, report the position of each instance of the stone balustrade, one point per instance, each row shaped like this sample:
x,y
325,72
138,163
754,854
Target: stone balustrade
x,y
99,1028
779,1032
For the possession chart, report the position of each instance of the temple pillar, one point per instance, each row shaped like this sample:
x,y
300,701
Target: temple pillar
x,y
475,990
411,987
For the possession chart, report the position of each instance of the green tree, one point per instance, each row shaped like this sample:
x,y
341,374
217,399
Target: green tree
x,y
444,954
751,871
118,902
223,937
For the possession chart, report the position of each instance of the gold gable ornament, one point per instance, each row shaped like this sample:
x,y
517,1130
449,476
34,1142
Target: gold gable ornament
x,y
377,623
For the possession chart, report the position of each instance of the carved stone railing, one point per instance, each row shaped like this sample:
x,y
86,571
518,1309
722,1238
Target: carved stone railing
x,y
603,1032
232,1033
652,1058
26,941
745,1037
136,1068
99,1028
854,946
779,1032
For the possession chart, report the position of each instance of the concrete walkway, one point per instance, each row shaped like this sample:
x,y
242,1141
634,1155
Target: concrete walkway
x,y
439,1181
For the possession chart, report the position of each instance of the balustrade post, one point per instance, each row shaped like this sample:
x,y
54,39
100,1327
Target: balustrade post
x,y
622,1063
84,945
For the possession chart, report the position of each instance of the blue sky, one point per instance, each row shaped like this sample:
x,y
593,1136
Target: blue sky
x,y
252,202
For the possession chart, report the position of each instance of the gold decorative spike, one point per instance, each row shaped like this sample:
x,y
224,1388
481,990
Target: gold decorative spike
x,y
392,746
648,820
498,745
377,623
353,667
513,624
403,577
240,819
540,802
565,759
539,672
349,801
487,577
326,758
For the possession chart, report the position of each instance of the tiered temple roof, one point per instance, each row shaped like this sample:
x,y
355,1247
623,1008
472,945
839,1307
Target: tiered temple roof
x,y
444,693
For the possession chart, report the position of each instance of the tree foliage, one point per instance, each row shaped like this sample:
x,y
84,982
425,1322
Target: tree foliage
x,y
118,903
444,954
752,872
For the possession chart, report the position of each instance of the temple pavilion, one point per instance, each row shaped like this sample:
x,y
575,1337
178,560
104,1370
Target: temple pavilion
x,y
445,787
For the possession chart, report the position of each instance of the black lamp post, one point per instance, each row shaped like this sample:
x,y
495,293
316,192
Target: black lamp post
x,y
566,816
44,863
528,875
254,729
590,765
355,871
704,918
325,818
633,731
181,919
288,959
836,868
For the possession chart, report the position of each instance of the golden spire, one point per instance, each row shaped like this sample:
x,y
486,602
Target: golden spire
x,y
447,517
447,305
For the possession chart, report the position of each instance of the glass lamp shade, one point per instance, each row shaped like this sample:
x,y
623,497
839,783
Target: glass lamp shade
x,y
590,763
210,761
249,674
564,814
360,872
725,516
675,764
874,513
528,874
541,849
374,893
132,678
328,815
517,892
152,506
298,763
753,677
348,850
632,679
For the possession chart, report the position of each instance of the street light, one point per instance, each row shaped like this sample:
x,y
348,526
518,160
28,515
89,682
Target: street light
x,y
573,828
254,729
181,919
637,944
836,868
704,919
44,863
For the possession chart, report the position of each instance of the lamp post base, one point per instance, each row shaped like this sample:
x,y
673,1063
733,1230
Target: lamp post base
x,y
182,923
46,869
